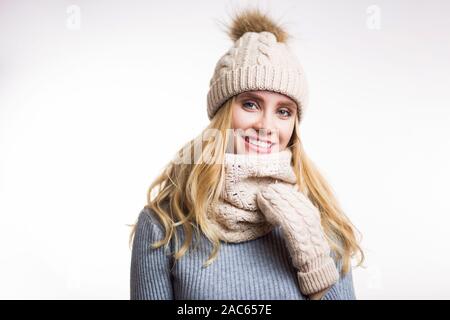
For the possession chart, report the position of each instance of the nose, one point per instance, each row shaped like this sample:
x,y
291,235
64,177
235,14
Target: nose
x,y
265,125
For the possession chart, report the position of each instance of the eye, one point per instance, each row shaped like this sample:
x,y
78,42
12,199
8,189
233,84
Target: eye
x,y
245,104
287,113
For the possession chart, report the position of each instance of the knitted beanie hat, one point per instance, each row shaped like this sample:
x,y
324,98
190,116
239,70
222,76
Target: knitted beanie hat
x,y
259,59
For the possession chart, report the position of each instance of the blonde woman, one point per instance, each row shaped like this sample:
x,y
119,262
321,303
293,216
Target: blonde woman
x,y
241,212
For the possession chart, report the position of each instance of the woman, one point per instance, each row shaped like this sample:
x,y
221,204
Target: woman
x,y
246,187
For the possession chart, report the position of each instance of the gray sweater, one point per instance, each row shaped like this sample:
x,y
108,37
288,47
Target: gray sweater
x,y
258,269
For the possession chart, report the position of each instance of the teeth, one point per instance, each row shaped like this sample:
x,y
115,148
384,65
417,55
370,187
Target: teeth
x,y
259,143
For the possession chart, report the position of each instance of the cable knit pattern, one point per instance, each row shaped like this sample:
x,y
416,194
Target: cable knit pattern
x,y
282,204
253,270
260,193
237,216
256,61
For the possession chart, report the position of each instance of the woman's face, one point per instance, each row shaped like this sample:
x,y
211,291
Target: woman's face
x,y
263,121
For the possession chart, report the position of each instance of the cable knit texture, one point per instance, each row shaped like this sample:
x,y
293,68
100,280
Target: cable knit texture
x,y
260,193
257,61
260,269
284,205
236,216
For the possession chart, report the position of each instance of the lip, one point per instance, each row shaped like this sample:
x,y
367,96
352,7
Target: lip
x,y
256,138
257,149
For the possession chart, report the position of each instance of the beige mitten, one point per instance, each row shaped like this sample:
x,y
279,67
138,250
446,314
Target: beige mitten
x,y
299,219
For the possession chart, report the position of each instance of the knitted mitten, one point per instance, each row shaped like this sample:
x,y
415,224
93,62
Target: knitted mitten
x,y
299,219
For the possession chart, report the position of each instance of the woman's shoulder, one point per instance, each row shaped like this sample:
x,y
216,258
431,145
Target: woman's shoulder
x,y
148,217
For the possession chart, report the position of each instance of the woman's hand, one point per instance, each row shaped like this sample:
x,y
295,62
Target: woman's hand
x,y
299,219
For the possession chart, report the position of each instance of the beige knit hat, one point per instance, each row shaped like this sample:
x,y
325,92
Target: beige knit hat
x,y
260,59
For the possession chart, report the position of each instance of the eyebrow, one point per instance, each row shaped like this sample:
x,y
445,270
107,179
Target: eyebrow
x,y
261,99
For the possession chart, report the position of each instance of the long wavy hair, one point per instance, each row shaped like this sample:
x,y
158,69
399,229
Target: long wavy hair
x,y
181,194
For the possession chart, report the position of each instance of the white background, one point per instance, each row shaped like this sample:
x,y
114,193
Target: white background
x,y
92,106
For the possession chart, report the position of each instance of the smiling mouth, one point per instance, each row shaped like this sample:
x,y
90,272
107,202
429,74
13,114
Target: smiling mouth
x,y
258,145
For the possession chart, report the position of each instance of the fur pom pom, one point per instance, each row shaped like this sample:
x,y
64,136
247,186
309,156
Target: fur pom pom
x,y
253,20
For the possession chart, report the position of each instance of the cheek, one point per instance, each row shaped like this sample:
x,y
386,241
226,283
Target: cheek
x,y
285,133
241,119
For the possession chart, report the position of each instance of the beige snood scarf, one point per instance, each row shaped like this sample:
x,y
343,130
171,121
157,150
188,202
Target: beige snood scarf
x,y
237,216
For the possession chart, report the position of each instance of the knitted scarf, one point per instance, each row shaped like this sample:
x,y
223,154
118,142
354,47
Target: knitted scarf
x,y
236,216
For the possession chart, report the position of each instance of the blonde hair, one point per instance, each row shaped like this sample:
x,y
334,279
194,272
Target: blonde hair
x,y
191,187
